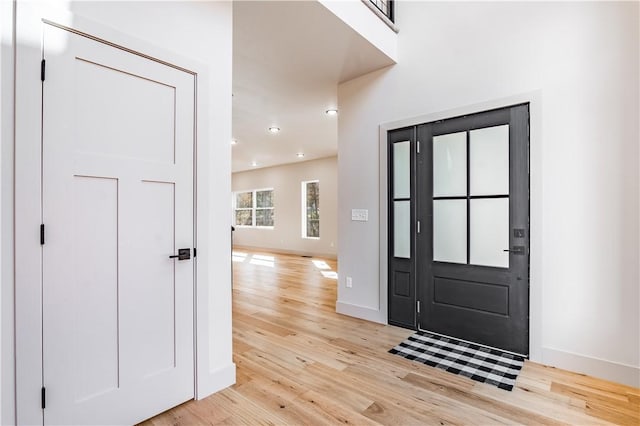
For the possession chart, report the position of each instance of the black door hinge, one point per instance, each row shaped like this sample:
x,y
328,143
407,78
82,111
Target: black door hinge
x,y
194,252
42,66
42,234
43,395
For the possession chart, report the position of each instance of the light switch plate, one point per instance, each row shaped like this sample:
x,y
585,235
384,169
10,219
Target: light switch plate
x,y
361,215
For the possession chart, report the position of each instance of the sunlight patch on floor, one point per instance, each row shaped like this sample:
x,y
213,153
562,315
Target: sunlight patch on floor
x,y
254,259
320,264
238,256
261,260
325,269
330,274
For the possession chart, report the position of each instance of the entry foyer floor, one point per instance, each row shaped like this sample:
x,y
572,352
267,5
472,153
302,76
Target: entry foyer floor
x,y
300,363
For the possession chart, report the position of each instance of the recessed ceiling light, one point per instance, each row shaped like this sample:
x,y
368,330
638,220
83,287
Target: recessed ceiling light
x,y
233,141
253,163
274,129
331,111
300,154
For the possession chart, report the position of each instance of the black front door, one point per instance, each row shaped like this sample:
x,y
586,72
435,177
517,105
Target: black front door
x,y
472,241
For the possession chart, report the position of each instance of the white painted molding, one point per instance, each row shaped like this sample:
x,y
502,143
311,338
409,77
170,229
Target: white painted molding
x,y
600,368
217,380
362,312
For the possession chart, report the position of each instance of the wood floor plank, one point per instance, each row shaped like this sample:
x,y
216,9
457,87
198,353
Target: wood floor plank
x,y
299,362
330,410
482,402
276,398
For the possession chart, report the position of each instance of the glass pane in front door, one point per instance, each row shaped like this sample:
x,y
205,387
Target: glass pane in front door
x,y
489,226
402,170
450,231
402,229
489,161
450,165
471,197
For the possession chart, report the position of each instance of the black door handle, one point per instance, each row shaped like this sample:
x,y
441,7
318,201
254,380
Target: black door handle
x,y
516,250
183,254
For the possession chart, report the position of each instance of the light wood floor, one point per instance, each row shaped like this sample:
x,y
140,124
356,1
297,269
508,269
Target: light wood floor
x,y
301,363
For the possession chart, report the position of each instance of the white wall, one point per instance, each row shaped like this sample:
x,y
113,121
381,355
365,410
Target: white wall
x,y
581,61
286,235
201,33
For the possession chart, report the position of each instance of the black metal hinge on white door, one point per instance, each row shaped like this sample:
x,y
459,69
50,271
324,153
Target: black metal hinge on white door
x,y
42,66
42,234
43,396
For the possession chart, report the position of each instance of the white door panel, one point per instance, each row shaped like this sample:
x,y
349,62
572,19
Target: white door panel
x,y
94,291
117,202
107,125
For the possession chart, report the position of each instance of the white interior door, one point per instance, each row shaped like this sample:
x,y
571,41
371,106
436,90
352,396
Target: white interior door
x,y
118,137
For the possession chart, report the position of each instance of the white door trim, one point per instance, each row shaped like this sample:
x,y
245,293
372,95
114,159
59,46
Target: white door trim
x,y
213,371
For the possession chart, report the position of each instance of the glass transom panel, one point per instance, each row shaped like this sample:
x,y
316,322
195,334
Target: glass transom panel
x,y
450,165
489,161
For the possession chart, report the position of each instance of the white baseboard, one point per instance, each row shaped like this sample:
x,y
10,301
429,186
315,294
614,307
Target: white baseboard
x,y
600,368
362,312
217,380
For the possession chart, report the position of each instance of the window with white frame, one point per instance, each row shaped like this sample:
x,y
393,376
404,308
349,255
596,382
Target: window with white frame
x,y
254,208
311,209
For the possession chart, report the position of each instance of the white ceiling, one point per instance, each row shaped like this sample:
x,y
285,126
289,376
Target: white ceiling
x,y
288,59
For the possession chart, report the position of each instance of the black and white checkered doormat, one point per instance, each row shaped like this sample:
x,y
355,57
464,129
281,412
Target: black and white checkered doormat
x,y
467,359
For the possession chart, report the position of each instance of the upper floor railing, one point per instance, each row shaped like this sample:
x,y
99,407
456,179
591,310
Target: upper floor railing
x,y
384,6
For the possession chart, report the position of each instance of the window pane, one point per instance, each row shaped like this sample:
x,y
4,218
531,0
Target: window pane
x,y
489,235
489,160
450,165
244,200
401,169
402,229
313,228
264,217
264,198
450,231
244,218
313,209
